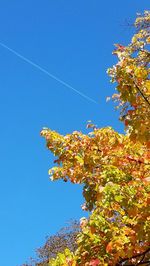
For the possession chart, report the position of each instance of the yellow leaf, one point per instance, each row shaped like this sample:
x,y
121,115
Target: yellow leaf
x,y
140,72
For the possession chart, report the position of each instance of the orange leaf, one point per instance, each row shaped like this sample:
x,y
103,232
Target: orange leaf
x,y
109,247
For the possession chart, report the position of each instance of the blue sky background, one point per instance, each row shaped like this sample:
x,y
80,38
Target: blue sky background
x,y
73,40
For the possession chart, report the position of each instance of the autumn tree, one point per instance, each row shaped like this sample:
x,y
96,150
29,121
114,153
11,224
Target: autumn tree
x,y
113,168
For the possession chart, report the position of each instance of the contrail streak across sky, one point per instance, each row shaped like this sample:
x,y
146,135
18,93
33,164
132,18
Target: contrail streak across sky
x,y
47,73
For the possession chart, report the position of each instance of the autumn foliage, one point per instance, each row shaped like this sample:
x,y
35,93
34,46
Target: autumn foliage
x,y
113,168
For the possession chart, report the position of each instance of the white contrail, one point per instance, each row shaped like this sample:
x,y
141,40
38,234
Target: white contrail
x,y
47,73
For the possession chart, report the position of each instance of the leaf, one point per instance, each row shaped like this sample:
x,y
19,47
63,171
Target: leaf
x,y
118,198
109,247
94,262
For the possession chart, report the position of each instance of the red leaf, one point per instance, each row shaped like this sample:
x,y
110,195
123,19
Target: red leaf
x,y
94,262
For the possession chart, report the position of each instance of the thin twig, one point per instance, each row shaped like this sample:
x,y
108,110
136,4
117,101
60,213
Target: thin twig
x,y
139,90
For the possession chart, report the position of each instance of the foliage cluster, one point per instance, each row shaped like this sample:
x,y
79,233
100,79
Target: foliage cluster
x,y
113,168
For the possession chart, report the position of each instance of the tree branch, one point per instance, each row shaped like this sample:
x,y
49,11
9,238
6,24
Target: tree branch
x,y
145,98
139,90
134,257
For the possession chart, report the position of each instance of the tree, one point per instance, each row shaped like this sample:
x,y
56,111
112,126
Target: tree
x,y
65,238
114,168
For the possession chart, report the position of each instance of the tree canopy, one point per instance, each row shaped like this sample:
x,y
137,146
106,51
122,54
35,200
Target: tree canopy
x,y
113,168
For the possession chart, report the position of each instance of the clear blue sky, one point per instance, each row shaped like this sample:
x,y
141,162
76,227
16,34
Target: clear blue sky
x,y
73,40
